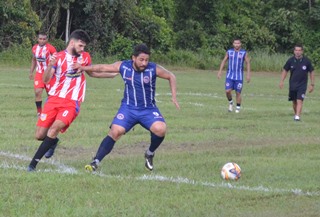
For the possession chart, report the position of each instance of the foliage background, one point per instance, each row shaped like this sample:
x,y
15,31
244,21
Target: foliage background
x,y
202,27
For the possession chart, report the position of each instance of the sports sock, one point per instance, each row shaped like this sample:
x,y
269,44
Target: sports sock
x,y
43,148
155,142
238,106
105,148
39,106
230,101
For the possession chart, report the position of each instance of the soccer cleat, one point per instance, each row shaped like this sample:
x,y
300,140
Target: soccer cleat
x,y
238,109
51,150
31,169
296,118
149,161
91,167
230,109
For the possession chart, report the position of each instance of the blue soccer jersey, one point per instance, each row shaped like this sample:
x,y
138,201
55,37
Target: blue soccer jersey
x,y
140,87
235,64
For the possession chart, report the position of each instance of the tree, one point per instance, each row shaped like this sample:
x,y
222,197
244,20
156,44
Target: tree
x,y
18,23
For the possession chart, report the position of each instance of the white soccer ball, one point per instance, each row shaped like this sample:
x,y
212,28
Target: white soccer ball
x,y
231,171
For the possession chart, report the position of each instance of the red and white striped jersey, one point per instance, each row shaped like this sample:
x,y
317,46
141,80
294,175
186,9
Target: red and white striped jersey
x,y
42,55
66,82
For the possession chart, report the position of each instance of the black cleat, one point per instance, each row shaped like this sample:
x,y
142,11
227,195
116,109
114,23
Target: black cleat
x,y
149,161
31,168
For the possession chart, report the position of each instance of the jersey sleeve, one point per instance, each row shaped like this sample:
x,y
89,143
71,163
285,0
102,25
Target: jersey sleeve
x,y
287,65
310,67
52,49
87,60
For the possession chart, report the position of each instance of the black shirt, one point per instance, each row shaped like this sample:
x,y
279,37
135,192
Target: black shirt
x,y
299,69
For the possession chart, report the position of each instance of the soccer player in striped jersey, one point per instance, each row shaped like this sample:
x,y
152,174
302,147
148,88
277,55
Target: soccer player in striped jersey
x,y
138,105
236,57
66,93
41,54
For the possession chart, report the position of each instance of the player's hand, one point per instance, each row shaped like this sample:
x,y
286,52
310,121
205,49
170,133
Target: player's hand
x,y
53,59
281,85
248,79
219,75
175,102
31,76
311,88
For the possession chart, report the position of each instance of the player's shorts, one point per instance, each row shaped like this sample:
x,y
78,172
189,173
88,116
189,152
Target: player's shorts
x,y
38,82
297,94
128,117
57,108
234,85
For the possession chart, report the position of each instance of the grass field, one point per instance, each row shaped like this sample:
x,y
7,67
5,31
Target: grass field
x,y
279,157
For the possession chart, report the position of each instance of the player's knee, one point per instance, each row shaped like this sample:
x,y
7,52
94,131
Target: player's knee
x,y
159,129
116,132
40,136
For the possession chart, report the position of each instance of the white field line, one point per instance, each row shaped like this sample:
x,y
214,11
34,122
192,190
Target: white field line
x,y
61,168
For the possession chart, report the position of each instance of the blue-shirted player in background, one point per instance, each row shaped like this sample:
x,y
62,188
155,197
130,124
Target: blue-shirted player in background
x,y
234,77
138,105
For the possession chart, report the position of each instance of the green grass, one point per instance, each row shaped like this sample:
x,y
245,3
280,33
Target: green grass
x,y
279,157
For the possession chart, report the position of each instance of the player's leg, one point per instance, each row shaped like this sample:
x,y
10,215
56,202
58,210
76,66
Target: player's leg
x,y
157,132
299,103
49,141
238,88
228,90
152,120
38,89
121,124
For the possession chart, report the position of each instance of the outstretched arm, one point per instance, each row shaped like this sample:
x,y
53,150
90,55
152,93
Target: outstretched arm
x,y
223,62
165,74
102,74
100,70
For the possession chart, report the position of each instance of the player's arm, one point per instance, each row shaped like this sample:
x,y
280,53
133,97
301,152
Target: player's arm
x,y
248,65
223,62
98,68
165,74
311,81
283,77
33,66
48,73
102,74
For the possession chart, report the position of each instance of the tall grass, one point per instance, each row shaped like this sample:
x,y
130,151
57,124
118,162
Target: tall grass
x,y
203,59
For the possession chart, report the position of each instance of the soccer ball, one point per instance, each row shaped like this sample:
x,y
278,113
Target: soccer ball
x,y
231,171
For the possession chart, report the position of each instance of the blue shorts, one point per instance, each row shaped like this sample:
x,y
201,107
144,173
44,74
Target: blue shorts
x,y
234,85
128,117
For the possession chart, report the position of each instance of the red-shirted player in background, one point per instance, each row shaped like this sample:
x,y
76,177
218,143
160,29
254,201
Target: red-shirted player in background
x,y
41,54
65,95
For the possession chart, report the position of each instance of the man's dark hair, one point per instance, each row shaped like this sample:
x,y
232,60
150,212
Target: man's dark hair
x,y
42,33
141,48
299,45
80,34
237,39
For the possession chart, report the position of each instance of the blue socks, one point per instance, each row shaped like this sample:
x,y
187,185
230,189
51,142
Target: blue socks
x,y
155,142
105,148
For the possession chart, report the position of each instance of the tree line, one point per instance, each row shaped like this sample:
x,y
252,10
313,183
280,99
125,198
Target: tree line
x,y
208,25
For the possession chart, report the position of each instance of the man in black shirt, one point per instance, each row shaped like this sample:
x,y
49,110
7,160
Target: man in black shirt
x,y
299,67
